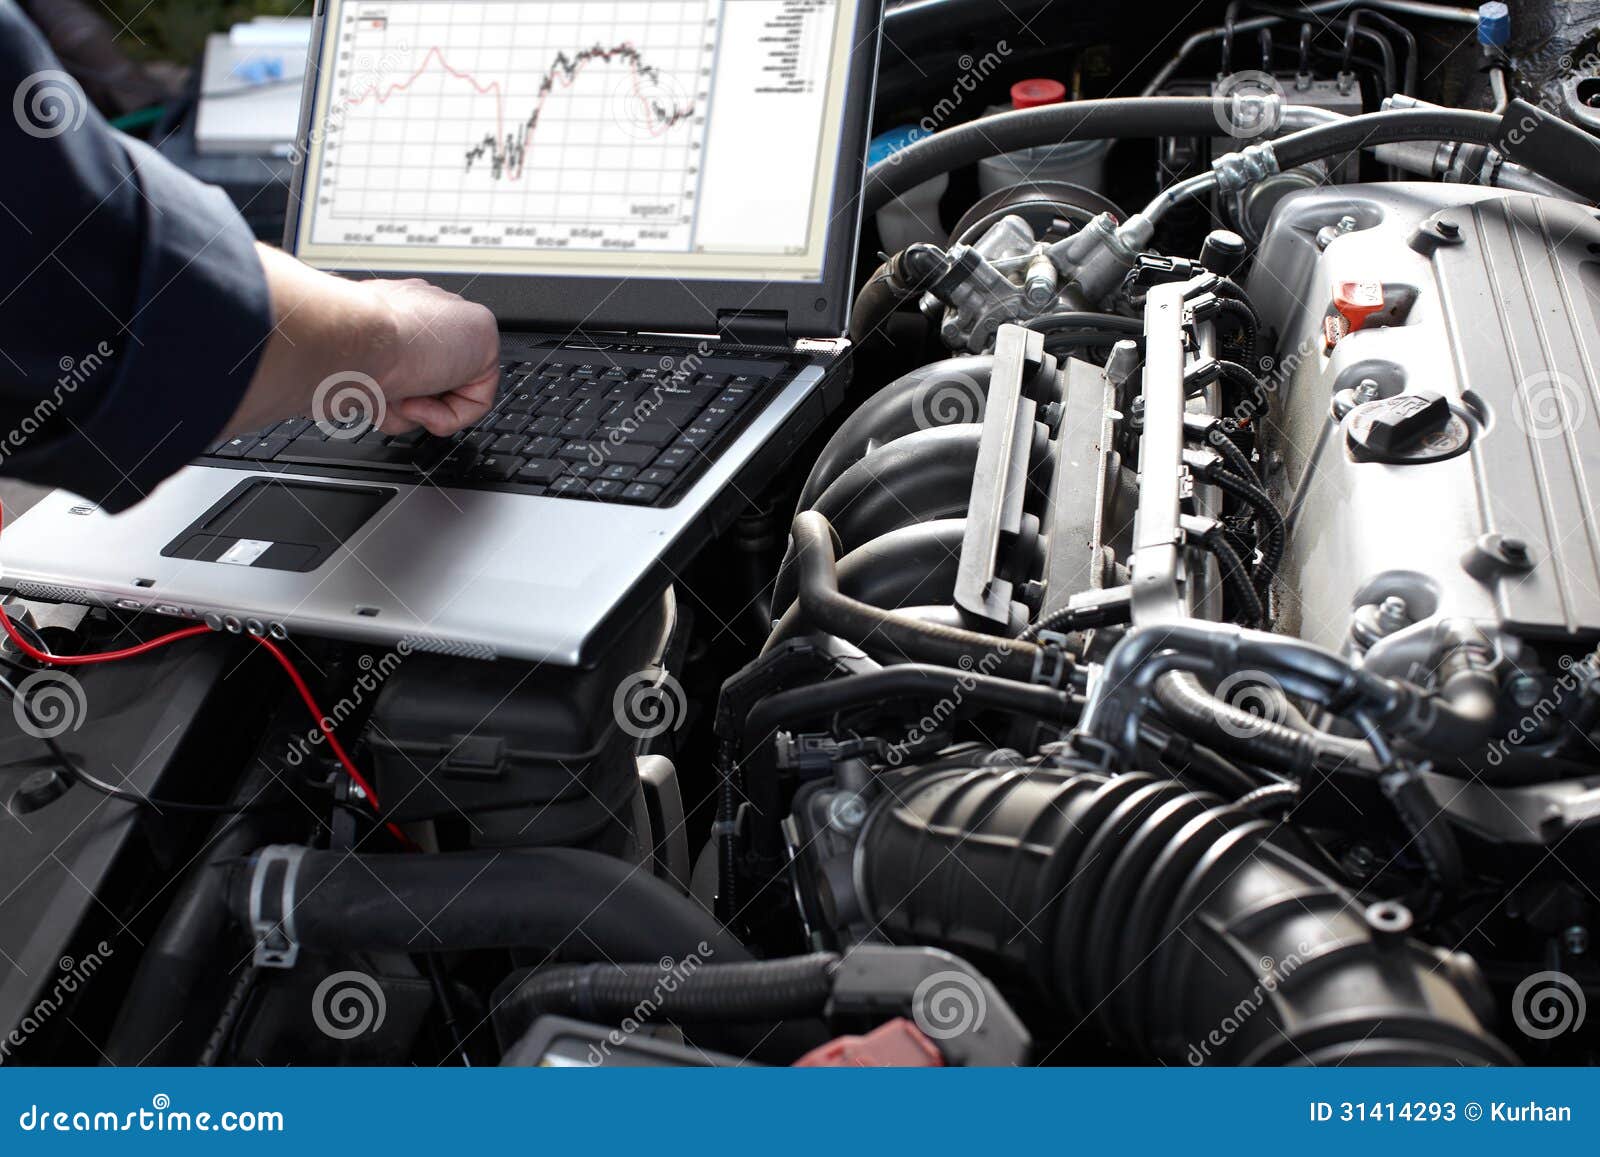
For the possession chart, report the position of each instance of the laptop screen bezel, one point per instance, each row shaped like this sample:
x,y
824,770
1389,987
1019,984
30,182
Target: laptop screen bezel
x,y
556,302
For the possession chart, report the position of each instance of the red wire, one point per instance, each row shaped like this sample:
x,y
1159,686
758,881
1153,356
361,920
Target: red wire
x,y
284,661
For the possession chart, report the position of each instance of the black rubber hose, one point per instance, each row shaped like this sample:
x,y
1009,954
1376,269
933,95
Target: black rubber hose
x,y
950,392
1335,140
905,275
885,634
1430,831
1273,526
1115,118
161,1021
914,566
1237,576
605,993
907,681
540,899
1269,797
1158,914
1196,712
1113,326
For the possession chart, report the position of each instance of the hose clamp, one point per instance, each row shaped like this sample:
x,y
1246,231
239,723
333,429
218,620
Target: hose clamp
x,y
1052,663
1240,170
272,906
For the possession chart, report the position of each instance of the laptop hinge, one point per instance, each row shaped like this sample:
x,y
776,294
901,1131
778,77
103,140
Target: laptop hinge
x,y
754,327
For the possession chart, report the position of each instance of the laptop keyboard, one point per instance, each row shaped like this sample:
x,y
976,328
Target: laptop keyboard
x,y
608,432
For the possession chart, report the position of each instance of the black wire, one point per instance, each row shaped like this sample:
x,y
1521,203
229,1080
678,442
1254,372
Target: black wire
x,y
76,774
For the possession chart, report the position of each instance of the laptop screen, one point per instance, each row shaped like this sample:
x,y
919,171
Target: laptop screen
x,y
682,139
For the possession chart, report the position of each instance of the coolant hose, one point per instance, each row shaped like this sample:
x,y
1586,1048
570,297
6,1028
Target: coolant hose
x,y
1083,120
885,634
1166,918
540,899
944,393
604,993
1197,713
1335,139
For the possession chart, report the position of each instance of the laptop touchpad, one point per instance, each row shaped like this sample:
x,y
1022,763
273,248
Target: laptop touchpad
x,y
266,522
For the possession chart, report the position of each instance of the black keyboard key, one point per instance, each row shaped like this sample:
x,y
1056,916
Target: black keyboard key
x,y
676,457
697,436
477,439
554,407
236,447
640,492
715,417
588,471
607,490
510,423
619,473
656,476
541,447
542,427
679,414
266,449
629,453
507,444
655,434
579,451
497,467
539,471
569,487
749,381
732,398
521,402
367,453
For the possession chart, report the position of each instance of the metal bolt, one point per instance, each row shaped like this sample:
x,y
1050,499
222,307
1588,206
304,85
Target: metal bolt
x,y
1347,224
1393,613
1359,861
1448,229
1576,940
1524,690
1514,548
1367,388
846,811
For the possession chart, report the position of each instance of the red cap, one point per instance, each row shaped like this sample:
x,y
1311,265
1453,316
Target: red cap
x,y
897,1044
1356,301
1040,90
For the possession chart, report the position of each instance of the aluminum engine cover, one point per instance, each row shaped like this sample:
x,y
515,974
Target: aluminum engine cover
x,y
1498,311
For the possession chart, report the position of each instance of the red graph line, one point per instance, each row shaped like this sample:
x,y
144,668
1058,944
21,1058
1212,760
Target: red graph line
x,y
508,152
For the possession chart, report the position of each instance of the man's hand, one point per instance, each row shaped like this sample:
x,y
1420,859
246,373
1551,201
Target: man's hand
x,y
434,355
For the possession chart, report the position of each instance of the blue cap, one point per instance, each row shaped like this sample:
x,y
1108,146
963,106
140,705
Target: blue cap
x,y
1494,24
889,142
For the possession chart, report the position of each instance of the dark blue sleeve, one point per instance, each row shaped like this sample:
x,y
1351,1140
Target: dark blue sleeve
x,y
133,308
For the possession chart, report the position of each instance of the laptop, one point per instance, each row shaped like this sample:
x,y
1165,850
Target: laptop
x,y
659,200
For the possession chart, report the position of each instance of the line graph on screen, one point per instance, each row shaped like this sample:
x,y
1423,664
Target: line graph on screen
x,y
557,124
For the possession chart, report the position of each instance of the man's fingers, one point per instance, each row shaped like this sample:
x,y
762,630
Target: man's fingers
x,y
444,414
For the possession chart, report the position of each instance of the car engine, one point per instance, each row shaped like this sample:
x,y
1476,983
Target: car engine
x,y
1180,646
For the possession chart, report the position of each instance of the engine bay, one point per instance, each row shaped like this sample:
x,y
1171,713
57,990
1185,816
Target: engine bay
x,y
1179,646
